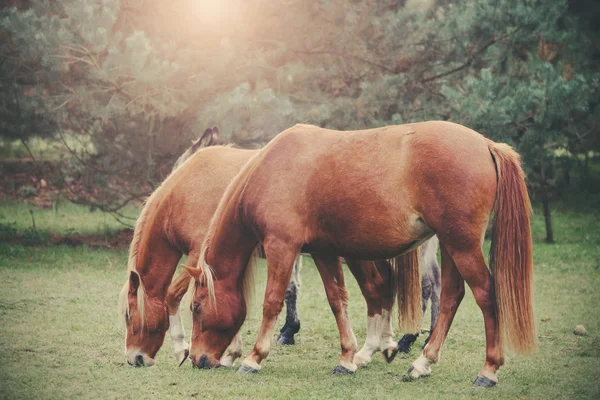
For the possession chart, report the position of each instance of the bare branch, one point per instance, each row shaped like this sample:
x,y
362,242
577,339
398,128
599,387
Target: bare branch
x,y
471,58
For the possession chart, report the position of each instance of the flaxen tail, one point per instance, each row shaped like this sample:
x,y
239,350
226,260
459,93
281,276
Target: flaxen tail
x,y
511,257
408,290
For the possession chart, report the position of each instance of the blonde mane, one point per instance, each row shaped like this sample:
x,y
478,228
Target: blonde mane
x,y
132,267
230,199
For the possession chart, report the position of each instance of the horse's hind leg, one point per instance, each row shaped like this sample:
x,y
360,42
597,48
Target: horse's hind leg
x,y
470,264
453,291
292,321
472,267
330,268
175,293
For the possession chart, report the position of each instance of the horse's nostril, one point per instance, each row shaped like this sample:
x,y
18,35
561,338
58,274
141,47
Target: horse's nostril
x,y
139,360
204,363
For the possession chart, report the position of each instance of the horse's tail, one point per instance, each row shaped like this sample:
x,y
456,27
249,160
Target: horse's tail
x,y
408,291
511,257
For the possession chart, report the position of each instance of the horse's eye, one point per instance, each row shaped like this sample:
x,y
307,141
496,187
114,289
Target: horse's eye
x,y
196,308
127,315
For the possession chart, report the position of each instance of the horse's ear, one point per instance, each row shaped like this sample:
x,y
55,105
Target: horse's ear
x,y
194,272
207,138
215,135
134,282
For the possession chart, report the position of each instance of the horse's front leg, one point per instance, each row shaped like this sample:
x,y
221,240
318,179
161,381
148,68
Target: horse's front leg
x,y
175,293
387,342
453,291
233,351
292,321
375,281
280,261
330,268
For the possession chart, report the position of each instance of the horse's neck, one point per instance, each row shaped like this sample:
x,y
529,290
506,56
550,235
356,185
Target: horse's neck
x,y
230,248
156,263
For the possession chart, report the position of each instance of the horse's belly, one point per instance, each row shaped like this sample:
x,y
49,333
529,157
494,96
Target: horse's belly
x,y
370,237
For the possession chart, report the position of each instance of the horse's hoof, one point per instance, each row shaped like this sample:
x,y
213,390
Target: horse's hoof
x,y
186,353
482,381
341,370
245,369
226,361
404,344
361,360
414,373
403,348
389,354
286,340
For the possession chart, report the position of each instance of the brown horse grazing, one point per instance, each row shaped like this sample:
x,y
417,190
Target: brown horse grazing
x,y
174,222
374,194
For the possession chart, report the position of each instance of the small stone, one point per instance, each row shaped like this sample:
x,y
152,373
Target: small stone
x,y
580,330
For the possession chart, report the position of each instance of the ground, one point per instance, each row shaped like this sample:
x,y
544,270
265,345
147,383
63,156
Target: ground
x,y
61,336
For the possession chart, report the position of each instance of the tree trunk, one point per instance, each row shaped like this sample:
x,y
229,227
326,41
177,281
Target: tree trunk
x,y
547,216
546,204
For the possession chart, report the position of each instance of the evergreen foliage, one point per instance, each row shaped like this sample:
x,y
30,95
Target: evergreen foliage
x,y
140,79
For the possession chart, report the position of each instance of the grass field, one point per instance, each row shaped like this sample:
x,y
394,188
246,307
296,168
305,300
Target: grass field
x,y
67,218
60,336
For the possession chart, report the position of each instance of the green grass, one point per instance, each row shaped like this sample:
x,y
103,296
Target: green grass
x,y
67,218
60,335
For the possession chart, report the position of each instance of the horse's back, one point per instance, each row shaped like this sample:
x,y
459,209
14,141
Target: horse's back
x,y
373,188
184,204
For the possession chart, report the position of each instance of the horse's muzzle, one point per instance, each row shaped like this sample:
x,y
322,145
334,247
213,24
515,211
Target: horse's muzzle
x,y
139,361
203,362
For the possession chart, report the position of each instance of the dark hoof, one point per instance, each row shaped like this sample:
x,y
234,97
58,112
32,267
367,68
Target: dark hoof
x,y
389,355
482,381
245,369
403,348
286,340
340,370
290,329
187,353
405,343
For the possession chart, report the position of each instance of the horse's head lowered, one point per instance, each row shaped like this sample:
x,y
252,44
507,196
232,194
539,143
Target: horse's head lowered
x,y
147,317
214,324
146,321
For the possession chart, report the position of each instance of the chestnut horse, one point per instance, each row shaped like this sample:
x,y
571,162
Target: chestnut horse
x,y
373,194
174,222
